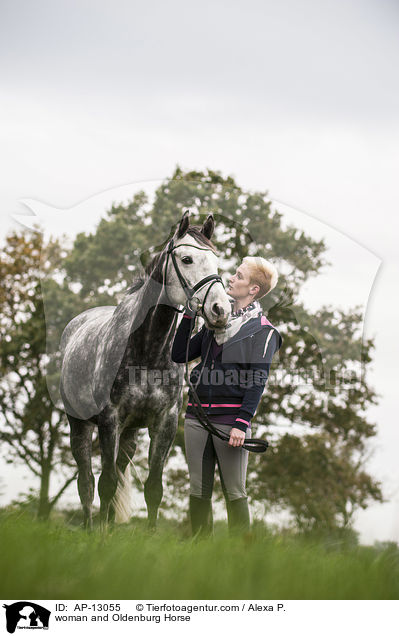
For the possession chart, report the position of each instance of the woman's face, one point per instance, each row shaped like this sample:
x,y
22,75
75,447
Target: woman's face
x,y
239,284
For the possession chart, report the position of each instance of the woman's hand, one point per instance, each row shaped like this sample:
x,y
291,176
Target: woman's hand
x,y
237,437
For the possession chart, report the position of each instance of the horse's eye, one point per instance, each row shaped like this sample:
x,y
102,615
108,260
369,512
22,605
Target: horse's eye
x,y
187,260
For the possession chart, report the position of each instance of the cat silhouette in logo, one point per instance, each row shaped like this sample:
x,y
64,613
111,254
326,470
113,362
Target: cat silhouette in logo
x,y
23,610
29,613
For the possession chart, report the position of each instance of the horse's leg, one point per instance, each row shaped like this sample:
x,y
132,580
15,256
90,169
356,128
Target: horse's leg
x,y
162,434
108,435
81,446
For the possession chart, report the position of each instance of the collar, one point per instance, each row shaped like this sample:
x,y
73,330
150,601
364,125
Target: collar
x,y
242,310
249,328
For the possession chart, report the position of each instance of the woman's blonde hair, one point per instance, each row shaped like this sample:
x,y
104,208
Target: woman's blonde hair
x,y
262,273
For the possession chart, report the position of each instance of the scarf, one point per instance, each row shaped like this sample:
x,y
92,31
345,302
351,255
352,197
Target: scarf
x,y
237,320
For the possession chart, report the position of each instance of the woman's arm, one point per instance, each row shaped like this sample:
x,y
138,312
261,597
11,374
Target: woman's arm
x,y
180,342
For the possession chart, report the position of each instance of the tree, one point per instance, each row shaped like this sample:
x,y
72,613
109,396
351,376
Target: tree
x,y
317,478
327,395
32,428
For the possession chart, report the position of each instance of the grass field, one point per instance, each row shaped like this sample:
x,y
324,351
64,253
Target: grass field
x,y
55,561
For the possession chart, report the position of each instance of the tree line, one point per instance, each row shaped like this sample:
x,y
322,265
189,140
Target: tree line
x,y
314,408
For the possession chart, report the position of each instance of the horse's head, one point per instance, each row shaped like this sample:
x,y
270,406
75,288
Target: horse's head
x,y
196,259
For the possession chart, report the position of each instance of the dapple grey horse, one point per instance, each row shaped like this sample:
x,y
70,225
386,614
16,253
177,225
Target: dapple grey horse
x,y
104,350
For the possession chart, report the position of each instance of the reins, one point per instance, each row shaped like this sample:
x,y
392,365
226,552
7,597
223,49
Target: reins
x,y
255,445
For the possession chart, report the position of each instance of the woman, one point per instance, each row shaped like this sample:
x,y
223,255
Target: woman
x,y
229,383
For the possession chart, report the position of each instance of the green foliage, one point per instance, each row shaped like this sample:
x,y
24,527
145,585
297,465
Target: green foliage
x,y
32,429
108,257
316,478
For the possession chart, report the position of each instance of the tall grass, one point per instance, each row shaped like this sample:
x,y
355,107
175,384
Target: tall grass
x,y
56,561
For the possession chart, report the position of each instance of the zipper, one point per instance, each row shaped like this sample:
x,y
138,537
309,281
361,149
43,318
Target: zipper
x,y
201,368
232,341
210,385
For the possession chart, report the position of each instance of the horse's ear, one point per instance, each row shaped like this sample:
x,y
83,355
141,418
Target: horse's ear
x,y
184,223
208,226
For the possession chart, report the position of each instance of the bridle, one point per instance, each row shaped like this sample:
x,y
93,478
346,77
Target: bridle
x,y
189,291
255,445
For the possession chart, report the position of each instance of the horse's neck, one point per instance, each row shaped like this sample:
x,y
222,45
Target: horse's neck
x,y
159,331
148,322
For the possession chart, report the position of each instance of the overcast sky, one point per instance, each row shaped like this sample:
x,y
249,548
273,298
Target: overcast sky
x,y
300,99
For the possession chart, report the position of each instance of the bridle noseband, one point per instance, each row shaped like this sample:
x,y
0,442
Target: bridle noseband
x,y
255,445
189,291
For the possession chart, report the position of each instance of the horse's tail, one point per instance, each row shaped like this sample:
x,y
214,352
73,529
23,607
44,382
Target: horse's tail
x,y
122,500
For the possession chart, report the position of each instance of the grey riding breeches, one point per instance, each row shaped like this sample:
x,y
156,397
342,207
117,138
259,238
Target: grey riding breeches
x,y
203,450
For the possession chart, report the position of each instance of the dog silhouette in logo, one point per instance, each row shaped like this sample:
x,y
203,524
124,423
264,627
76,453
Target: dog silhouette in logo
x,y
24,610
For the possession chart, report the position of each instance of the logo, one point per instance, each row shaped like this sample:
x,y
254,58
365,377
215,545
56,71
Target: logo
x,y
26,615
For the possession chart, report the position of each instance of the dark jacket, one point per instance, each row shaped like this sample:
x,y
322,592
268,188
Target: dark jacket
x,y
233,381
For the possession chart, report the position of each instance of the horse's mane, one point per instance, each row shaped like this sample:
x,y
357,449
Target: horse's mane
x,y
153,269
